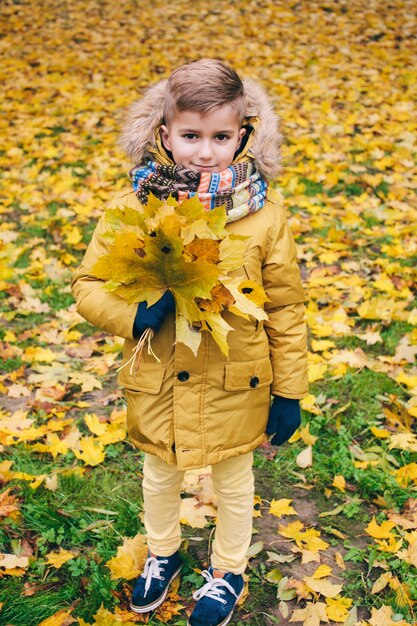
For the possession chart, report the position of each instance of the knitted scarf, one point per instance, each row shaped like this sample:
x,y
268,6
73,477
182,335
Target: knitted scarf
x,y
240,187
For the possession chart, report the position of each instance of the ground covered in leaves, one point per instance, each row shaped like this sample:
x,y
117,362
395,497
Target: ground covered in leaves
x,y
336,509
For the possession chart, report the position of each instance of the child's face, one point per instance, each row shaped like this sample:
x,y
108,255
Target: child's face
x,y
204,142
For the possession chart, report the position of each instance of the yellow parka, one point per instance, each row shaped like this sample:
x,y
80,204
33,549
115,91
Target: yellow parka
x,y
196,411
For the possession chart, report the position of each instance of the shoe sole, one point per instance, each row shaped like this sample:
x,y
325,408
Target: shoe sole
x,y
227,620
151,607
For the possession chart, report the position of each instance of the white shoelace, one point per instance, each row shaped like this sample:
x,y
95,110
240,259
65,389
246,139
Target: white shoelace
x,y
212,588
151,570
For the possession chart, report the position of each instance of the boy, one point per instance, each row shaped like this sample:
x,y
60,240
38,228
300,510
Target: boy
x,y
206,132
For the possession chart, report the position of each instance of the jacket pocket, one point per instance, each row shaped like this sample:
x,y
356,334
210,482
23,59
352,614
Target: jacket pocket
x,y
148,378
244,375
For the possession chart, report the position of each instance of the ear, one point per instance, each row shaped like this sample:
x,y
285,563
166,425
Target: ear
x,y
242,133
164,132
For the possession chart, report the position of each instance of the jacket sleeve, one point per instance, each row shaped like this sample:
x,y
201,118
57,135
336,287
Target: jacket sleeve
x,y
101,308
286,328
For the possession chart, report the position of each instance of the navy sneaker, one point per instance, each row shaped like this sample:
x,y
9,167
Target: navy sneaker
x,y
216,599
151,587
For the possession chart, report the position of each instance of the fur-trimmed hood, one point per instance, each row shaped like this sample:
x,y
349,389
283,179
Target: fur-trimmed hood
x,y
145,116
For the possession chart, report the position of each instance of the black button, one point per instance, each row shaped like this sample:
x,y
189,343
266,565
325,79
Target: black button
x,y
183,377
254,381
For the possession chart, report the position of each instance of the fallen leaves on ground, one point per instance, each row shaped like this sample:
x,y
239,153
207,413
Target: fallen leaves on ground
x,y
342,78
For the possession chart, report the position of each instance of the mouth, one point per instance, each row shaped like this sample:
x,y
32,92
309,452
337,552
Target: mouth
x,y
203,168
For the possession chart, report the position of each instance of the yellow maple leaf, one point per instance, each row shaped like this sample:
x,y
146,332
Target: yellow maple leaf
x,y
384,283
231,251
293,530
87,381
320,345
113,435
307,539
309,404
92,451
322,586
281,507
103,617
322,571
306,436
129,559
36,354
94,425
55,445
404,441
73,235
337,609
316,371
380,433
312,540
123,566
383,617
380,532
390,545
407,474
57,559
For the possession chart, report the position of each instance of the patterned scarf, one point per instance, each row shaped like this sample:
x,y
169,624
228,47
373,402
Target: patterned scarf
x,y
240,187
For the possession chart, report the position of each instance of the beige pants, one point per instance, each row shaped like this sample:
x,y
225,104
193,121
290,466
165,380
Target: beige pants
x,y
233,484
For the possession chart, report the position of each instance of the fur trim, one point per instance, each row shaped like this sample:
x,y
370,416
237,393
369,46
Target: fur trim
x,y
146,114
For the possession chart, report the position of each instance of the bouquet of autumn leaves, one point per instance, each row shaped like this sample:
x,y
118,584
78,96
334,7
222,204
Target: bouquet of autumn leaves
x,y
183,248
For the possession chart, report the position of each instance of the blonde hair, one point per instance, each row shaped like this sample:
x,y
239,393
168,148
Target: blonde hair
x,y
203,86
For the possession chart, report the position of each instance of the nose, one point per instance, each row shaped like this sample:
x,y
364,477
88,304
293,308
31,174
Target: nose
x,y
205,152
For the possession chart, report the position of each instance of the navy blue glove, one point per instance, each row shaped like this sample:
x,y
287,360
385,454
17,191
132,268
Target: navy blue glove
x,y
284,419
153,316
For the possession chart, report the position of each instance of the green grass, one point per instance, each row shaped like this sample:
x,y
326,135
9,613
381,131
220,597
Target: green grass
x,y
90,513
9,365
31,610
56,298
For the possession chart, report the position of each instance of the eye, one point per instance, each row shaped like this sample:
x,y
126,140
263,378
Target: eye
x,y
190,136
222,137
